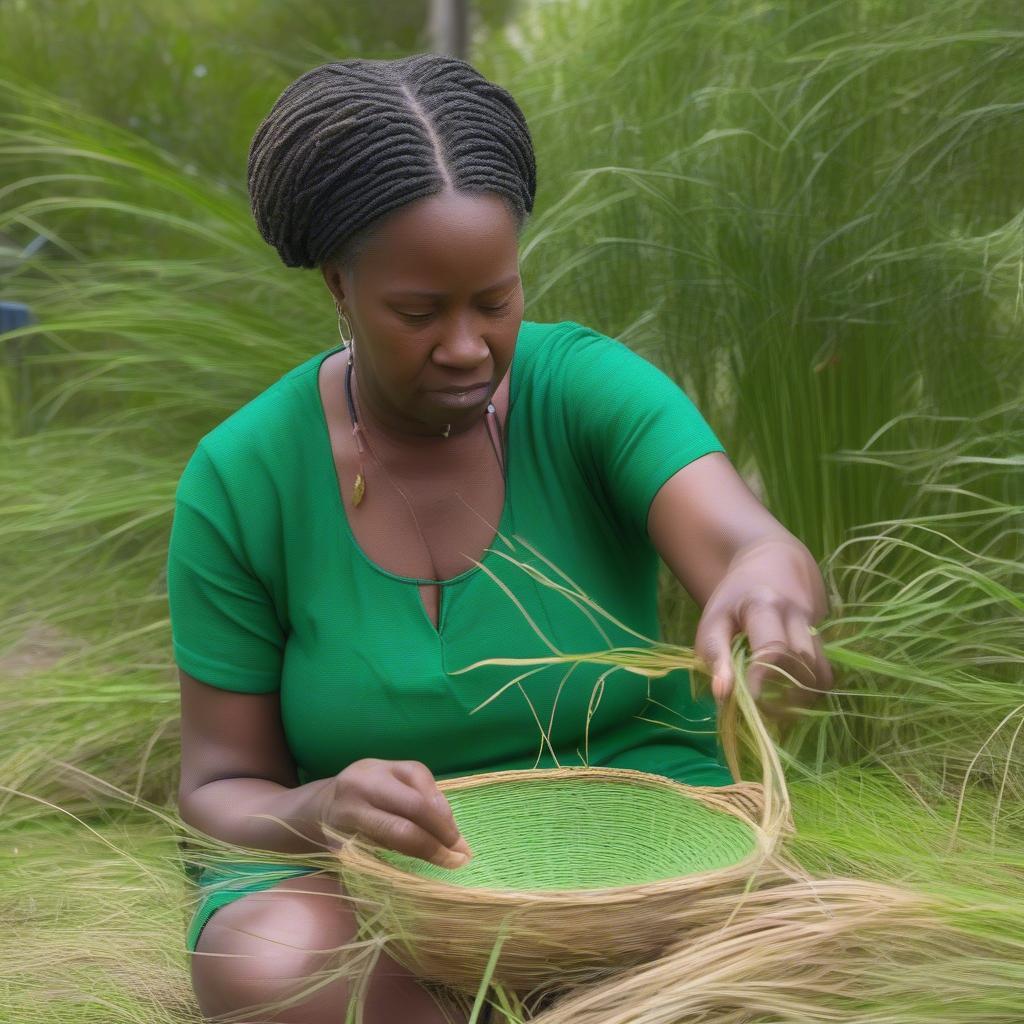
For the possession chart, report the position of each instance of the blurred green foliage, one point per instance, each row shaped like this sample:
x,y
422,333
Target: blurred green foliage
x,y
195,77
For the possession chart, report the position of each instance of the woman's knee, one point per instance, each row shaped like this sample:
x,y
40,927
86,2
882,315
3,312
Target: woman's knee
x,y
283,944
273,945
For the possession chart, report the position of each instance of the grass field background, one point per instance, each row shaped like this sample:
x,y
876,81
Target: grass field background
x,y
809,214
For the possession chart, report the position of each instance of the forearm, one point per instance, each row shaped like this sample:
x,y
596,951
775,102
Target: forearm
x,y
242,811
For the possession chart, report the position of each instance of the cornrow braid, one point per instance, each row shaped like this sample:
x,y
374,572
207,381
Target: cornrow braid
x,y
348,142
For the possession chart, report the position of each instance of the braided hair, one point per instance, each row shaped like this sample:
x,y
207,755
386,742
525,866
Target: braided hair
x,y
348,142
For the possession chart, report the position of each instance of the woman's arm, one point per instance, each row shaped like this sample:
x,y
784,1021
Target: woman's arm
x,y
748,573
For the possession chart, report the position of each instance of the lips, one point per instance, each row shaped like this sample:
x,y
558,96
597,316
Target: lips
x,y
469,389
473,397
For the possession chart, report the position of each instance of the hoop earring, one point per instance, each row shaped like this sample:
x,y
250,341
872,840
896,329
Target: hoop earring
x,y
345,341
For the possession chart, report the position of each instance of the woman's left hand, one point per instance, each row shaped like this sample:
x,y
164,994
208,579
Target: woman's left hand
x,y
774,593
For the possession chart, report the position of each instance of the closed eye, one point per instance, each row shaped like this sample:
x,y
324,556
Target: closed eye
x,y
486,309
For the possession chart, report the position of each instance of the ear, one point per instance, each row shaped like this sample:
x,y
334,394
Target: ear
x,y
335,281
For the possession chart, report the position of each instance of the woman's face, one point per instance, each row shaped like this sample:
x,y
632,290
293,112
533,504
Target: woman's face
x,y
435,302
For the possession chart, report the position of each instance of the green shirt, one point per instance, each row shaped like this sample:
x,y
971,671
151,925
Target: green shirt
x,y
269,590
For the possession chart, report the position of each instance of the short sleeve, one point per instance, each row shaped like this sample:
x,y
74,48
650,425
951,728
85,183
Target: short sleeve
x,y
224,626
634,426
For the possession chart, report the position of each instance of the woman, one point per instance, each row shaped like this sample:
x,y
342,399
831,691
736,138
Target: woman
x,y
323,568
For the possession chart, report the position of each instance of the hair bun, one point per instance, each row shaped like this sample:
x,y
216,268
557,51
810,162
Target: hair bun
x,y
348,142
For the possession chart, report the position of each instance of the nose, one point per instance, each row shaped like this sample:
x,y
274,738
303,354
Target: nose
x,y
464,349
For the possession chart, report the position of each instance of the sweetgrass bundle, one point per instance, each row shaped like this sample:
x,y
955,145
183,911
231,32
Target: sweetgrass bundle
x,y
838,950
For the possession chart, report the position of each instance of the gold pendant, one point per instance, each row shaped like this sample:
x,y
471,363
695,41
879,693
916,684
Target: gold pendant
x,y
359,489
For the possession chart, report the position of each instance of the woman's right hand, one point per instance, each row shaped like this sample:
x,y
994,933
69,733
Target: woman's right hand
x,y
397,805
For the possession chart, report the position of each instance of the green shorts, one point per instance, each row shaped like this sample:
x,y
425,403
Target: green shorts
x,y
231,881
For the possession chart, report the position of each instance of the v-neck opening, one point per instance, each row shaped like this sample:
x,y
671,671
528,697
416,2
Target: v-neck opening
x,y
504,522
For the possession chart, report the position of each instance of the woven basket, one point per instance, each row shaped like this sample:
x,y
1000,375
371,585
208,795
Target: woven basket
x,y
576,871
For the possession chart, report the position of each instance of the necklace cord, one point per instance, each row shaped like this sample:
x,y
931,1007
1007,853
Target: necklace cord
x,y
357,430
493,430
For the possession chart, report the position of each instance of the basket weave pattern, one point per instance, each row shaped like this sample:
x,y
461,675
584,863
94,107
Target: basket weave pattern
x,y
672,842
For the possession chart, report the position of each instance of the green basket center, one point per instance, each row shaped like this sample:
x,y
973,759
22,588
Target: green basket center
x,y
574,834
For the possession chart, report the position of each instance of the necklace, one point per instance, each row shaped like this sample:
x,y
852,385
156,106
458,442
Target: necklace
x,y
360,435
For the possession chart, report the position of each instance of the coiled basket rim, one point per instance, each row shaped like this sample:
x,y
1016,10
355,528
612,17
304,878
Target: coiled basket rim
x,y
740,800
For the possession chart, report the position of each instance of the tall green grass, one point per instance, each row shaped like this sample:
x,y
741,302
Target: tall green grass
x,y
929,629
808,214
805,212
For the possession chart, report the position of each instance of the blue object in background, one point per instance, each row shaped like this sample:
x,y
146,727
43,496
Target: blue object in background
x,y
14,315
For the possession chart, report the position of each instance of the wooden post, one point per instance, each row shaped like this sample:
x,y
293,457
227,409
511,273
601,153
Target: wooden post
x,y
449,27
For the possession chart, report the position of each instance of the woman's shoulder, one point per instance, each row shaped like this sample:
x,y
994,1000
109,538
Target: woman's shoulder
x,y
256,437
549,347
569,355
536,333
568,338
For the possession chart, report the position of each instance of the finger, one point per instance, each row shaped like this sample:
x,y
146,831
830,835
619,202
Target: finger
x,y
776,711
814,673
421,778
713,648
402,834
823,673
409,802
769,645
417,774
